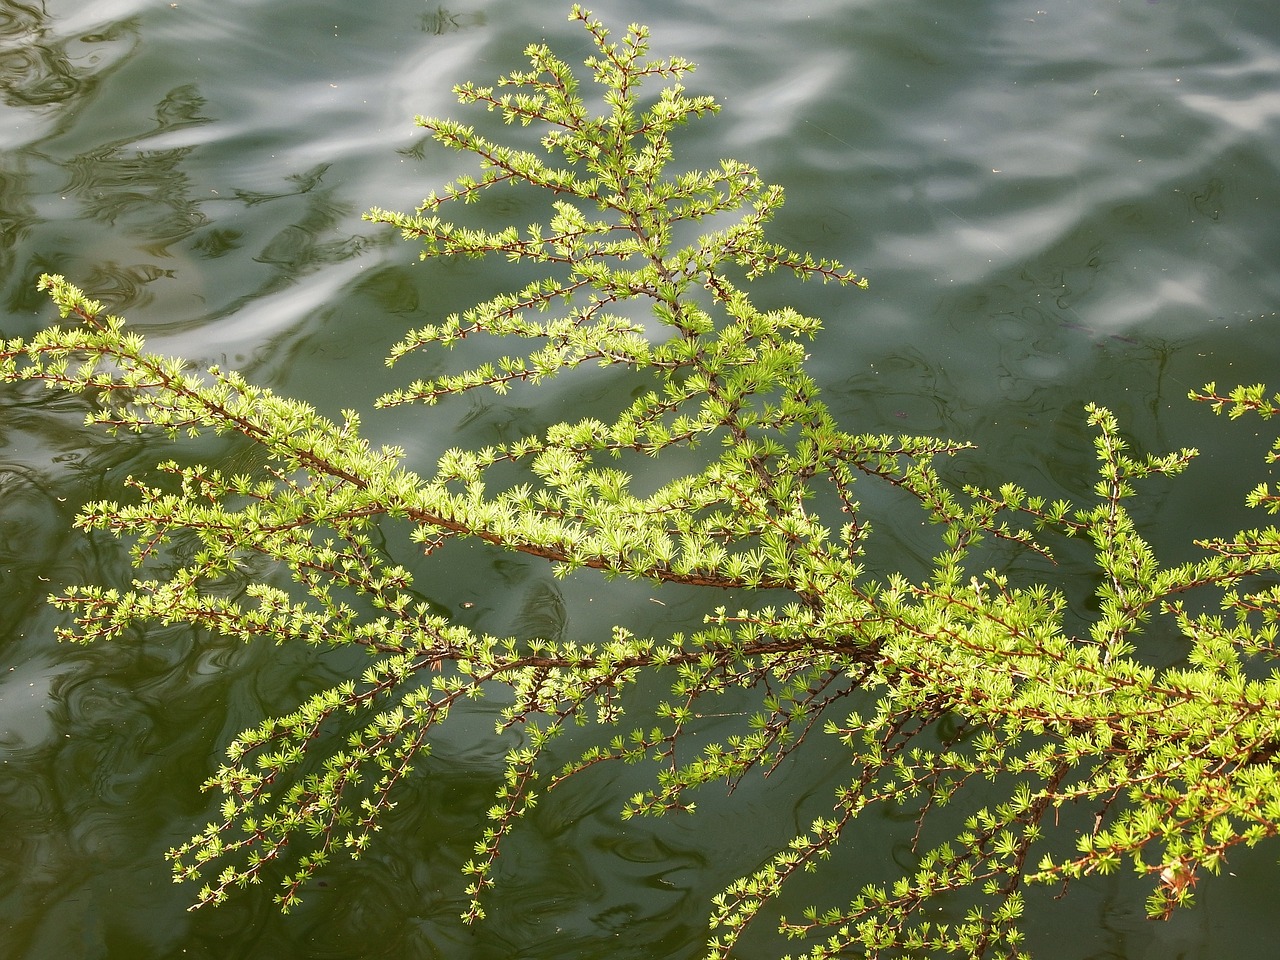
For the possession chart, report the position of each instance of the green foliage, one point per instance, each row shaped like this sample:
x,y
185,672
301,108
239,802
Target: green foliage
x,y
1066,750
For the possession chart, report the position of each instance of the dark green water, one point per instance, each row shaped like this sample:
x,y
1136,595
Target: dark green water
x,y
1055,203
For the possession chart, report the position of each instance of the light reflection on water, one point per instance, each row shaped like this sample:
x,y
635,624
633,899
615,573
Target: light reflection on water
x,y
1054,204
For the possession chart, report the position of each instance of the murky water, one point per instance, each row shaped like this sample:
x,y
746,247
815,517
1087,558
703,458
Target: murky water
x,y
1055,203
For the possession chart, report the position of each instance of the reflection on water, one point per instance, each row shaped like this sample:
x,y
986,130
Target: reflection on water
x,y
39,67
31,528
1054,204
441,21
45,77
145,192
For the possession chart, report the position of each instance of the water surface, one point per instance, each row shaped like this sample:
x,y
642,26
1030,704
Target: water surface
x,y
1054,203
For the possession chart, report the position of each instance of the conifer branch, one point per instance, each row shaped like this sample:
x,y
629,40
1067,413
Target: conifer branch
x,y
965,682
